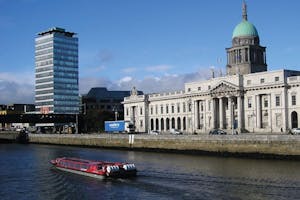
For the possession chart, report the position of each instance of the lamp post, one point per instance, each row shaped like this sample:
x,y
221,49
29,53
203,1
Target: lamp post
x,y
84,112
116,113
253,114
232,117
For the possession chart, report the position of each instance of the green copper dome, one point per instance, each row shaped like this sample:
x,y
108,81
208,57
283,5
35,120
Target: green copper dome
x,y
244,28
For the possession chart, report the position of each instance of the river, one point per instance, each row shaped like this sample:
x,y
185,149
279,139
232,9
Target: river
x,y
25,173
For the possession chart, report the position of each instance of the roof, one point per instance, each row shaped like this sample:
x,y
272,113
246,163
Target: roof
x,y
244,28
57,30
100,93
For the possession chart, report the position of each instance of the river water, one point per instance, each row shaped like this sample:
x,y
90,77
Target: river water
x,y
25,173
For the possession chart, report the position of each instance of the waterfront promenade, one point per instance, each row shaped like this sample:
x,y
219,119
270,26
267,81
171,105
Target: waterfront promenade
x,y
243,144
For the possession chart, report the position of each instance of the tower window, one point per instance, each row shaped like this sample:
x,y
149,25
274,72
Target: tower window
x,y
293,100
277,100
262,80
276,78
249,102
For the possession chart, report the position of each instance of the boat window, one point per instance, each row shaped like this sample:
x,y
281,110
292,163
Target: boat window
x,y
84,166
99,167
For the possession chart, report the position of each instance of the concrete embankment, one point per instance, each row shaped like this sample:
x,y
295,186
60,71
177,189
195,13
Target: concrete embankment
x,y
8,135
243,145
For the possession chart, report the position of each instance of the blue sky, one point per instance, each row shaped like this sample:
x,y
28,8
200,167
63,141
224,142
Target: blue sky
x,y
156,45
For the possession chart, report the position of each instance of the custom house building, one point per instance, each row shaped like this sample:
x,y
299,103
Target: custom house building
x,y
248,99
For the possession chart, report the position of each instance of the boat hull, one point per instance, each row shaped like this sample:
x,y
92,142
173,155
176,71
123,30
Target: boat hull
x,y
98,176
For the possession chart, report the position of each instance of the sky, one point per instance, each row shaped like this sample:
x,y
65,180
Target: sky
x,y
155,45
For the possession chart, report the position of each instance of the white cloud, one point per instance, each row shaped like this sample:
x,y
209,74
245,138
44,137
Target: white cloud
x,y
16,88
165,83
19,88
125,79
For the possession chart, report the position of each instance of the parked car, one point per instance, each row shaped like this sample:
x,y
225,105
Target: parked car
x,y
154,132
175,132
217,132
296,131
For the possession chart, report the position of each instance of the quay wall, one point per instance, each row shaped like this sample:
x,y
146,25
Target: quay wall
x,y
277,145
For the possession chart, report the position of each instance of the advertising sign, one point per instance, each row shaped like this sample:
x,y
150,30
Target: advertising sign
x,y
114,126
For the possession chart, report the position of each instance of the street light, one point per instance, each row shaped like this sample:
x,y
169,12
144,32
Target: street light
x,y
232,118
115,109
84,112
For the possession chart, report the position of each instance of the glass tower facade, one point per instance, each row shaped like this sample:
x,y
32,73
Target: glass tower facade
x,y
56,72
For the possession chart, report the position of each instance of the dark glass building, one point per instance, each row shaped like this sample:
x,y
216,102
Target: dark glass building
x,y
56,72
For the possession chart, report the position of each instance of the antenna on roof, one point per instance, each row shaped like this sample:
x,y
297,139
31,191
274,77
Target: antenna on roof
x,y
245,11
212,68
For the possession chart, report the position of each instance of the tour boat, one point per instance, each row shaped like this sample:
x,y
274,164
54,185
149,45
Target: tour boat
x,y
96,169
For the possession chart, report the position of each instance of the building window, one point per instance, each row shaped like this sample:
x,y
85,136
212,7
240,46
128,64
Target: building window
x,y
277,100
178,107
276,78
156,109
141,123
201,106
172,108
209,105
248,82
293,100
151,110
183,107
141,111
265,102
167,108
262,80
127,113
249,102
189,89
161,109
199,88
209,87
190,107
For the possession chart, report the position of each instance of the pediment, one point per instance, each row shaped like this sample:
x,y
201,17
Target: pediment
x,y
224,88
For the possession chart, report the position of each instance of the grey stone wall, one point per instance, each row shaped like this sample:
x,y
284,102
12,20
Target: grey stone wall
x,y
288,145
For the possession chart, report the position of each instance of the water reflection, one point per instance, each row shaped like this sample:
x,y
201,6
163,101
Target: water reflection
x,y
161,176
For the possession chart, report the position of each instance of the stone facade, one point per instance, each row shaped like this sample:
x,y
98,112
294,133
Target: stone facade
x,y
257,102
249,98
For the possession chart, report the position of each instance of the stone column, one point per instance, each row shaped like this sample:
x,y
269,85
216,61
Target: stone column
x,y
204,114
196,114
239,107
258,111
284,107
221,113
269,112
213,107
230,112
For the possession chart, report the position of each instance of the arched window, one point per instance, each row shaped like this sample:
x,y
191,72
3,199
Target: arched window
x,y
294,119
162,127
167,124
151,124
173,122
184,123
156,124
178,123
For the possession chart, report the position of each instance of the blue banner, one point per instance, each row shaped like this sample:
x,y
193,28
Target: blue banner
x,y
114,126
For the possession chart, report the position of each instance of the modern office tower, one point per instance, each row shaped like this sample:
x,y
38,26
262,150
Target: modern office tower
x,y
56,72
